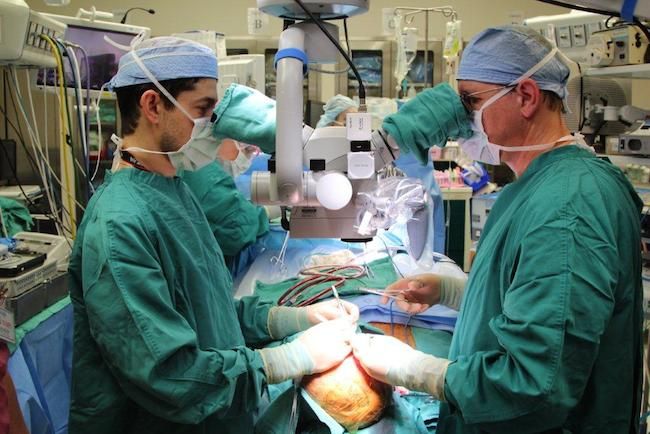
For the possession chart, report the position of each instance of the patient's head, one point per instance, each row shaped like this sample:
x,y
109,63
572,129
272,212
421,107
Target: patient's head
x,y
353,398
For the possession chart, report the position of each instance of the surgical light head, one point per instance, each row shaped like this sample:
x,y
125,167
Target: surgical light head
x,y
501,55
167,58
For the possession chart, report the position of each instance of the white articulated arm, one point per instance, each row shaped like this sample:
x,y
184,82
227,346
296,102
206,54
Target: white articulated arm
x,y
288,141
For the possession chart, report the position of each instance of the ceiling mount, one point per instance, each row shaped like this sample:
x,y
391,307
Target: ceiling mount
x,y
323,9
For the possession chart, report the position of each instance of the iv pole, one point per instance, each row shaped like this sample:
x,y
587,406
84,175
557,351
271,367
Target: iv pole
x,y
446,11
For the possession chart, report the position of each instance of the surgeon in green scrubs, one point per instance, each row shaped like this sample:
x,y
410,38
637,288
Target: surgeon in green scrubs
x,y
235,221
159,344
548,339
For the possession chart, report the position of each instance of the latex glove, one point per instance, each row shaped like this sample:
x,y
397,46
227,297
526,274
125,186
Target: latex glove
x,y
431,118
424,290
285,321
389,360
246,115
328,310
318,349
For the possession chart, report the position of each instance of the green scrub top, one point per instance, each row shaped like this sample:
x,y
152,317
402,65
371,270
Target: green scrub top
x,y
159,344
549,333
235,222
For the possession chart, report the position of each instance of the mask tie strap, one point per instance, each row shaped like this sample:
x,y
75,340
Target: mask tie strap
x,y
528,74
135,42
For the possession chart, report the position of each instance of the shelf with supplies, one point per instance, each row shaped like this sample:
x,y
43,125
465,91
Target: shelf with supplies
x,y
626,71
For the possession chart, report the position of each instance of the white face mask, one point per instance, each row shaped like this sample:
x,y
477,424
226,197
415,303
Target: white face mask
x,y
199,151
479,148
244,159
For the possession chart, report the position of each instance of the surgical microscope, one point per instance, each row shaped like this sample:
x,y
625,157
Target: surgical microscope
x,y
330,199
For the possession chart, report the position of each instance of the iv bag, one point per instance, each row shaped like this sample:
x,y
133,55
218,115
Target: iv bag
x,y
407,42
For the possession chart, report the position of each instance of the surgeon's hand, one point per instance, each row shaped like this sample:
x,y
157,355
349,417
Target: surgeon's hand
x,y
318,349
328,343
328,310
392,361
379,354
285,321
420,292
424,290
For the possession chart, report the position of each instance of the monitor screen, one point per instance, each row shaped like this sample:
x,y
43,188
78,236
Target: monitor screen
x,y
103,58
246,69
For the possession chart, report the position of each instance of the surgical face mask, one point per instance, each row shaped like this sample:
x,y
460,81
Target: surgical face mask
x,y
241,163
479,148
200,150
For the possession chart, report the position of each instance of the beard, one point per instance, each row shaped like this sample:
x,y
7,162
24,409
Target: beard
x,y
168,143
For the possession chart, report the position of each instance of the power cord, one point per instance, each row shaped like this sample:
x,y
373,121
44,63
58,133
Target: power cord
x,y
362,88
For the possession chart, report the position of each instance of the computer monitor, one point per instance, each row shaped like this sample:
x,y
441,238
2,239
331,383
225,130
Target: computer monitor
x,y
103,58
246,69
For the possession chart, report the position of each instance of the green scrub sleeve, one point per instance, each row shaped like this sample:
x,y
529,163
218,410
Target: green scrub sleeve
x,y
253,317
149,346
430,119
555,310
246,115
234,220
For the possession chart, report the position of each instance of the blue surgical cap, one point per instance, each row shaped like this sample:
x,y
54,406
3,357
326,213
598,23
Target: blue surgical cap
x,y
501,55
167,58
334,107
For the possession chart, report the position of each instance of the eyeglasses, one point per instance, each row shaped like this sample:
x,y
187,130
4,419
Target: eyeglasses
x,y
469,100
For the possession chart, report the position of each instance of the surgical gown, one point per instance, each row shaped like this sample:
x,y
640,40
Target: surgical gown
x,y
548,337
159,344
235,222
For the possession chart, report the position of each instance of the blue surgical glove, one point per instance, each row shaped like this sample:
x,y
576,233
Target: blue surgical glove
x,y
389,360
431,118
246,115
318,349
